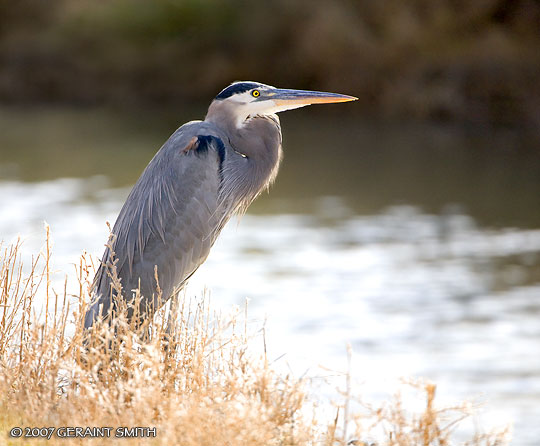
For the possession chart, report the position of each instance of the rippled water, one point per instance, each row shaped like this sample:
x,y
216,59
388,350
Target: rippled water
x,y
424,256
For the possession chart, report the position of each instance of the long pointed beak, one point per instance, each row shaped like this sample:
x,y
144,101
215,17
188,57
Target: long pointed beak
x,y
299,98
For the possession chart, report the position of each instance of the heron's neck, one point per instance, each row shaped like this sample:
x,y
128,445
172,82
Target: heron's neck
x,y
226,115
255,137
258,139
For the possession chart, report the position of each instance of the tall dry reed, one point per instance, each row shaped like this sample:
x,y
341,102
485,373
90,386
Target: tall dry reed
x,y
197,383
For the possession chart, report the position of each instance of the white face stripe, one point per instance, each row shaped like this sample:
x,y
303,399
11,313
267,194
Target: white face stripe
x,y
247,105
243,98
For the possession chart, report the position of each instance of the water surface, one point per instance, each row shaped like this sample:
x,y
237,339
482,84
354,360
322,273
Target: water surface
x,y
418,245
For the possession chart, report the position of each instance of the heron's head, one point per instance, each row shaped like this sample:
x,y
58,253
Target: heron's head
x,y
246,99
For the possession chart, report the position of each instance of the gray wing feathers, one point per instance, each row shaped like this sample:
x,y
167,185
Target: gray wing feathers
x,y
169,219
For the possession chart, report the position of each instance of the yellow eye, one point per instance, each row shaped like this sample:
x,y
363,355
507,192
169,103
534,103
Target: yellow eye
x,y
255,93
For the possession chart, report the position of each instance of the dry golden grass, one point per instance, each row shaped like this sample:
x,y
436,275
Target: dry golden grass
x,y
205,387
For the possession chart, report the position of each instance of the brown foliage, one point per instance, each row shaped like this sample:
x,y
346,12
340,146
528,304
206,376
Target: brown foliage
x,y
447,59
197,385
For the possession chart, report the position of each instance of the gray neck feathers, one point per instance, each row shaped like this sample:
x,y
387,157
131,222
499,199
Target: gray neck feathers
x,y
253,156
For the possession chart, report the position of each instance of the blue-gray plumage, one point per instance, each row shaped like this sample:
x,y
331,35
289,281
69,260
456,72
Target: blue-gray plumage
x,y
206,172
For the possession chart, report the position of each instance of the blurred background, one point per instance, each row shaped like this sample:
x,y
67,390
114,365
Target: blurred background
x,y
406,224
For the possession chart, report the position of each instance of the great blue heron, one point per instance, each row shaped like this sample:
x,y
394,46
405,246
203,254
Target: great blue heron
x,y
206,172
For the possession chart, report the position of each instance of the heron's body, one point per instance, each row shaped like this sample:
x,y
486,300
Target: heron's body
x,y
206,172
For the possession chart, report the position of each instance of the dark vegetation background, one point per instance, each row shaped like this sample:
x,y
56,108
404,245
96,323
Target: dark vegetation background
x,y
475,61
